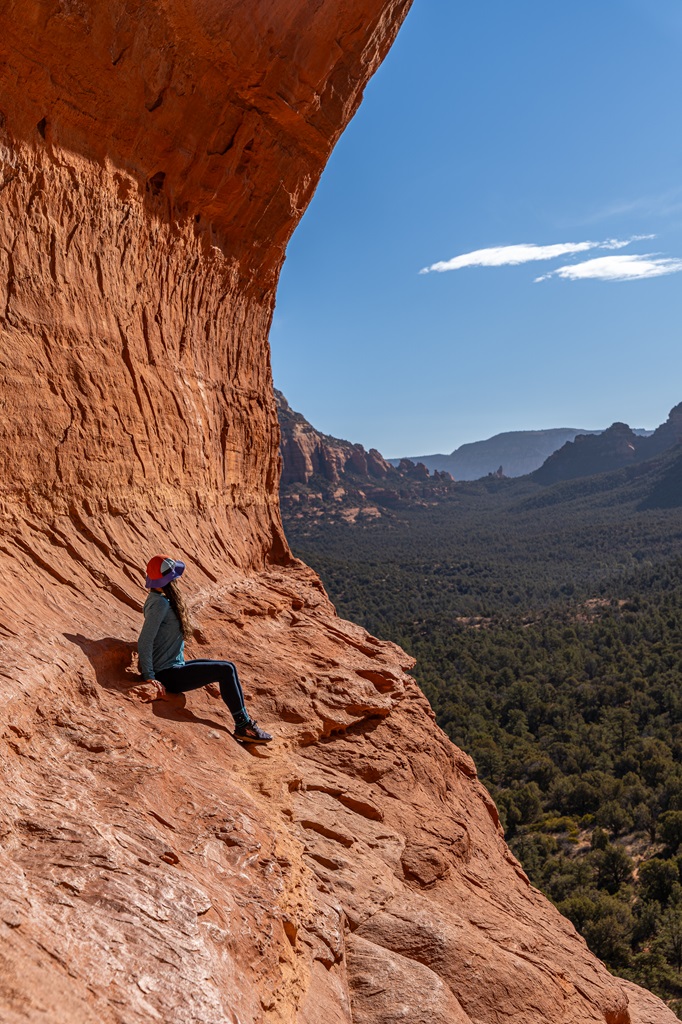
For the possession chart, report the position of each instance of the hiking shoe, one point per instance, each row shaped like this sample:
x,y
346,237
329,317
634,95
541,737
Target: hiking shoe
x,y
251,733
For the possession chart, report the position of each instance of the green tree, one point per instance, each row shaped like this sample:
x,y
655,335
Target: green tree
x,y
647,919
614,867
529,802
671,935
600,839
669,829
656,879
579,909
609,931
614,817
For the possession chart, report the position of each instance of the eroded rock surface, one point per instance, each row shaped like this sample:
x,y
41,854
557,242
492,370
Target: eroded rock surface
x,y
155,158
307,453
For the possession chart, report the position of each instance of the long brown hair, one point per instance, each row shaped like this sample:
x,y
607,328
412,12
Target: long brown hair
x,y
177,603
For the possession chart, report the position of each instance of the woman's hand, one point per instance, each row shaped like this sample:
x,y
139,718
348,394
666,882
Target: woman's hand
x,y
161,692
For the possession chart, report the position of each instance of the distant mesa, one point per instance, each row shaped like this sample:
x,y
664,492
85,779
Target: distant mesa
x,y
325,478
666,489
615,448
311,459
518,451
308,453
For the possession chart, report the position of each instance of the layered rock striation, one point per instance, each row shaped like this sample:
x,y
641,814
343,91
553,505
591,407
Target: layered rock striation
x,y
155,159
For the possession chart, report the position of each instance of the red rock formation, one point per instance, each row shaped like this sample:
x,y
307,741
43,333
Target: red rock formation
x,y
326,479
155,159
614,448
307,453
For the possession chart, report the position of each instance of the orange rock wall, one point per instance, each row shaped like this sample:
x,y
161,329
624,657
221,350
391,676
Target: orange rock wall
x,y
154,160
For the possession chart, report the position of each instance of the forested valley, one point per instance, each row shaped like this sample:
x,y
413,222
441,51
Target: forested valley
x,y
547,630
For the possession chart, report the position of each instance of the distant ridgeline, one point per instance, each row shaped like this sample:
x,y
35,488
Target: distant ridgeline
x,y
325,479
516,452
615,448
323,473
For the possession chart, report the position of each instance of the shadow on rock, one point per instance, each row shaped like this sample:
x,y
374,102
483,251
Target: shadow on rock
x,y
115,664
113,660
174,709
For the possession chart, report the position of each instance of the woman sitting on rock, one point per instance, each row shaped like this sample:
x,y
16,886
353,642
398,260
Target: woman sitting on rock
x,y
161,647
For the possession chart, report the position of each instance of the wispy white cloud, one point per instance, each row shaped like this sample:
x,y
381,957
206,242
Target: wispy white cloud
x,y
661,204
513,255
630,267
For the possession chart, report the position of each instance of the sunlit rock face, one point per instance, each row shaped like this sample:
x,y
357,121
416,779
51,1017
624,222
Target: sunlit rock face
x,y
307,453
154,160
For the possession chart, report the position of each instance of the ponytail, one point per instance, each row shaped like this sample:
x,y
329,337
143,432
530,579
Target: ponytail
x,y
177,603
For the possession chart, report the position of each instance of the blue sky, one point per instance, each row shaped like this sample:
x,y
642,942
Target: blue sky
x,y
492,125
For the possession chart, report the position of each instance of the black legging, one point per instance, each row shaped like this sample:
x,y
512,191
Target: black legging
x,y
194,674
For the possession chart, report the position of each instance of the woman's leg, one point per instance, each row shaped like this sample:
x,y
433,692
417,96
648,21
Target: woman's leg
x,y
195,674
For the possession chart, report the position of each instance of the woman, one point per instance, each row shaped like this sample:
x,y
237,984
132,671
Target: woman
x,y
161,647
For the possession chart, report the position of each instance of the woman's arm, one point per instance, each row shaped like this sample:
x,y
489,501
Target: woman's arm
x,y
154,614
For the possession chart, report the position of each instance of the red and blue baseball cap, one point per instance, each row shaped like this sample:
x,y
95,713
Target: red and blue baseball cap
x,y
161,570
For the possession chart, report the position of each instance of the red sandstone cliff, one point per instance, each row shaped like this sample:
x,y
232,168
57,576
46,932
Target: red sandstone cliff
x,y
155,158
307,453
326,479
